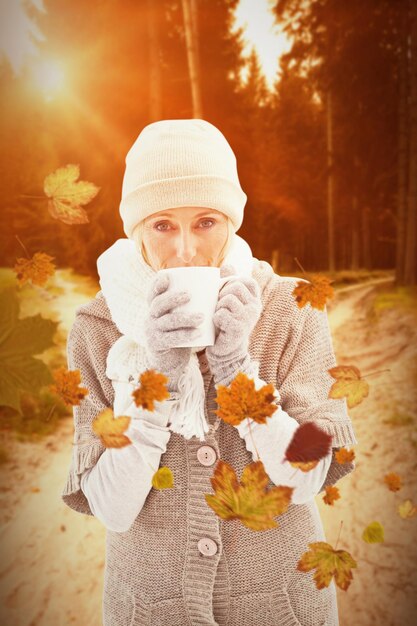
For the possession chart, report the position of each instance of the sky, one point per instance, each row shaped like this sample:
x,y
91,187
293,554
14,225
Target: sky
x,y
18,34
260,32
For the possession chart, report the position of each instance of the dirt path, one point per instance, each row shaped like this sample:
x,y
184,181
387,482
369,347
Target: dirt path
x,y
52,559
384,586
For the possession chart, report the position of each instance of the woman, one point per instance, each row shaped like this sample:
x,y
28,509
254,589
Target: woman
x,y
170,560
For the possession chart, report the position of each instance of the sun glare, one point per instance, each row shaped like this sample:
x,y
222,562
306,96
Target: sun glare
x,y
49,77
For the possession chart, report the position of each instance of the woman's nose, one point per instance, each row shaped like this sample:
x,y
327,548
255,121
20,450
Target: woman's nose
x,y
185,246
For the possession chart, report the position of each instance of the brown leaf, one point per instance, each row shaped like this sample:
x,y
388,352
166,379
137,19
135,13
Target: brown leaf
x,y
36,270
248,501
153,387
308,445
241,400
66,386
316,292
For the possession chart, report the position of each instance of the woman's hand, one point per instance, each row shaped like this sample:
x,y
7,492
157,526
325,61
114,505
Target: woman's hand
x,y
238,309
165,327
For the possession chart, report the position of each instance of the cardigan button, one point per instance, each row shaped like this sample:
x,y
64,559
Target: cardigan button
x,y
204,366
207,546
206,455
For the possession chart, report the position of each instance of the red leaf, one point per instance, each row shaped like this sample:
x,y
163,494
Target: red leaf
x,y
309,443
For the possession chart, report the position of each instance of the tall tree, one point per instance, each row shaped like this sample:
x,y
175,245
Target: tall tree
x,y
410,275
189,10
155,99
352,49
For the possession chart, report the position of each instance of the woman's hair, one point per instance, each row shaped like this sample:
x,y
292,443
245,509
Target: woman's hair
x,y
137,236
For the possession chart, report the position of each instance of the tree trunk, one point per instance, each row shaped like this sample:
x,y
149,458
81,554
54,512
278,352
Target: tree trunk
x,y
402,154
366,249
330,183
410,276
155,100
354,261
275,260
191,39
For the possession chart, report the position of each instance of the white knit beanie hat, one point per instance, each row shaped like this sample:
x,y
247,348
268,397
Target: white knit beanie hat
x,y
175,163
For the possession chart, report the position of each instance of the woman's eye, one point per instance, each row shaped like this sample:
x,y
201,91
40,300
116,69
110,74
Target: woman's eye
x,y
208,220
161,224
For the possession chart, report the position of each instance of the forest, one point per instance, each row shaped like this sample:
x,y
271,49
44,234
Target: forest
x,y
327,158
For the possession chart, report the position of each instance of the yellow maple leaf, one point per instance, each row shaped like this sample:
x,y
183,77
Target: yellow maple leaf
x,y
241,400
152,387
393,481
344,456
332,494
37,270
304,466
67,195
407,509
163,478
110,429
349,384
373,533
66,386
248,501
316,292
328,563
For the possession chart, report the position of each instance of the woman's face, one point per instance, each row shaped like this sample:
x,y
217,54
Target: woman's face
x,y
184,236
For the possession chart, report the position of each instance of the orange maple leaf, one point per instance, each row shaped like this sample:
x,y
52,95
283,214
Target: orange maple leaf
x,y
36,270
110,429
248,501
393,481
308,445
66,386
153,387
332,494
241,400
344,456
349,384
328,563
315,291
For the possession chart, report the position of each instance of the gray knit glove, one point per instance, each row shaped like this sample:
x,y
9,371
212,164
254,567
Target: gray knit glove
x,y
164,327
237,311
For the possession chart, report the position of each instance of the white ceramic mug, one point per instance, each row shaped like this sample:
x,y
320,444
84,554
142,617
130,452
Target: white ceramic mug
x,y
203,283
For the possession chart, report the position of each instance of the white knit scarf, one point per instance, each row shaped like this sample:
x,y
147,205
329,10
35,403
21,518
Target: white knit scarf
x,y
125,279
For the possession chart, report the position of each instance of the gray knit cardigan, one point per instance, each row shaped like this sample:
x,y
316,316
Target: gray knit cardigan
x,y
156,573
